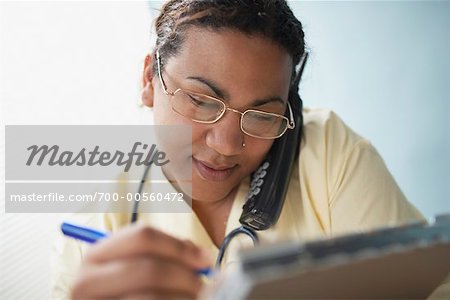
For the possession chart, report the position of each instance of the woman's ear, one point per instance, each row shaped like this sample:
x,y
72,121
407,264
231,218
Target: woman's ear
x,y
147,86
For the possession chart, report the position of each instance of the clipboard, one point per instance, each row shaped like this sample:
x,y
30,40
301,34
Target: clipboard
x,y
407,262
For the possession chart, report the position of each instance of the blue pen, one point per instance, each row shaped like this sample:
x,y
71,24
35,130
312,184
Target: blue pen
x,y
82,233
91,236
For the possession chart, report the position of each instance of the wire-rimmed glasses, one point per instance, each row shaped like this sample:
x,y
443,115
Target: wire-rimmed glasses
x,y
206,109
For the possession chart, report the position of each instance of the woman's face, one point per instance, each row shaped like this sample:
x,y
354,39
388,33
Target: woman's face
x,y
251,72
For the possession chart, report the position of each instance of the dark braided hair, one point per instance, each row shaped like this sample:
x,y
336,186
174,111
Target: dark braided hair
x,y
270,18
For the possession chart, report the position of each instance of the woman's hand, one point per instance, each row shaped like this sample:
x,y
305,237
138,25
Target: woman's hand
x,y
141,263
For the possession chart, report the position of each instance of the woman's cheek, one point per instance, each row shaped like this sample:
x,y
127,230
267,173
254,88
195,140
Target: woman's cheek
x,y
258,148
161,114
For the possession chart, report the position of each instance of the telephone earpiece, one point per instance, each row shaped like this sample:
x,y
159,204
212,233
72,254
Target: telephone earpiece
x,y
270,182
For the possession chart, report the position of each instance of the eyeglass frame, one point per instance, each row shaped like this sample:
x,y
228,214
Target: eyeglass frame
x,y
290,121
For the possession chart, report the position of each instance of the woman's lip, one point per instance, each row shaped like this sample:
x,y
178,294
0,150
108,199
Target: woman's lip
x,y
212,173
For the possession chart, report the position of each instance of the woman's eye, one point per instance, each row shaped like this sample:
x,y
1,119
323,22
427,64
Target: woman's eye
x,y
202,104
263,118
194,101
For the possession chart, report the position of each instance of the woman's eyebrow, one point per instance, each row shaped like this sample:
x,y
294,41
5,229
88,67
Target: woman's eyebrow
x,y
260,102
220,93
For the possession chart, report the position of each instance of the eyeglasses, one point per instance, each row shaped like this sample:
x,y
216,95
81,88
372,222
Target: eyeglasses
x,y
206,109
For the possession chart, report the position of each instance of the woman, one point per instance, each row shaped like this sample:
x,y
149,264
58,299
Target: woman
x,y
241,55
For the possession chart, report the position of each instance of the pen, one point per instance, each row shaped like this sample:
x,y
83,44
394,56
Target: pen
x,y
91,236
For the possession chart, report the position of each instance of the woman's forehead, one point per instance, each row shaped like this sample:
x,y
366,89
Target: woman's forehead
x,y
232,57
232,45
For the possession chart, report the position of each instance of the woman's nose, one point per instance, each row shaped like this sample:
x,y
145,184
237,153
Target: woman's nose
x,y
225,136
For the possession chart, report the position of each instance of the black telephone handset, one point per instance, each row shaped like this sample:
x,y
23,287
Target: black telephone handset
x,y
270,181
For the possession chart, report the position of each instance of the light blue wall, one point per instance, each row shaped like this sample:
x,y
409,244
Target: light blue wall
x,y
384,67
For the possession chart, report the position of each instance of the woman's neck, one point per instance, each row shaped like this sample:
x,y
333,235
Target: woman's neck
x,y
214,216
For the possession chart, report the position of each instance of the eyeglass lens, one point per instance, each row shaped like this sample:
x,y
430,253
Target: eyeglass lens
x,y
205,109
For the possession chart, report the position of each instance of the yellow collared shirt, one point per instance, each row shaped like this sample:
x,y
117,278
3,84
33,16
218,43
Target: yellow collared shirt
x,y
339,185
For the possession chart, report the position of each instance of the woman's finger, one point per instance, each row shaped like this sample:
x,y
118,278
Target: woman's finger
x,y
129,276
155,296
140,240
